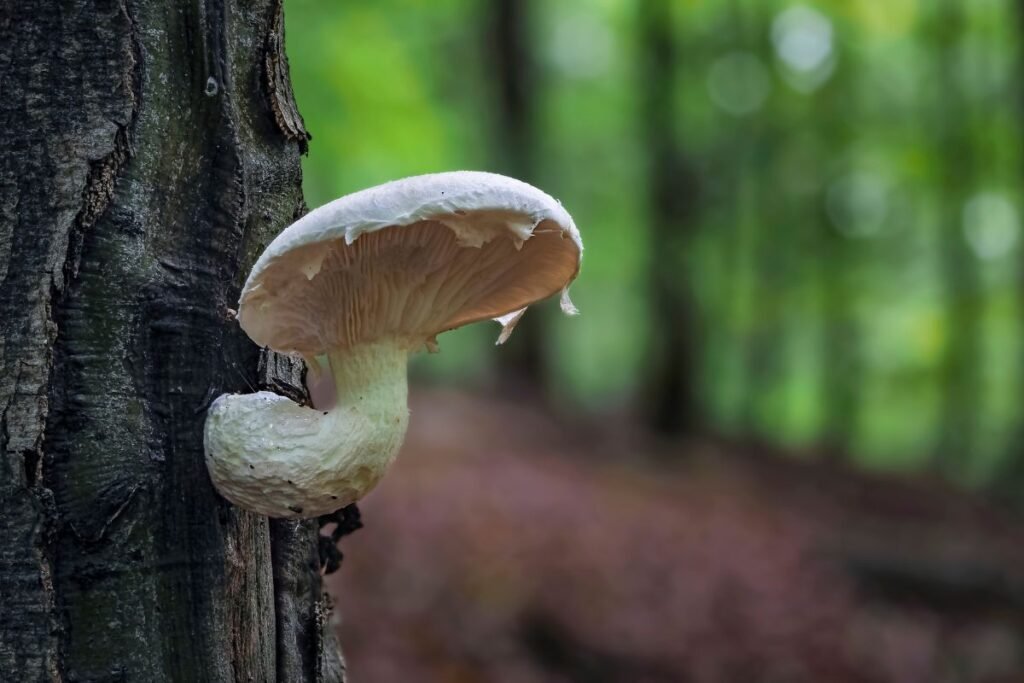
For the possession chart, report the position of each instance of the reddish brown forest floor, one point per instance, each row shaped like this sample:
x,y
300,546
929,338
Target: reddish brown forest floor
x,y
508,546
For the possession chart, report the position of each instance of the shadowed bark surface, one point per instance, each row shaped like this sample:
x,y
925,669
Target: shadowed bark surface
x,y
149,151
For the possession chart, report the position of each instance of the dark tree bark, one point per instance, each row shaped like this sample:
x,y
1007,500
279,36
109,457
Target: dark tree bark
x,y
672,381
148,150
522,363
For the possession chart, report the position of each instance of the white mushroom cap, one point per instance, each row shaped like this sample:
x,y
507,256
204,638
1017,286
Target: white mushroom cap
x,y
410,259
363,281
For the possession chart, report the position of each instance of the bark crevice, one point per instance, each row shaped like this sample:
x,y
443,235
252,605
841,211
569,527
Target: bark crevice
x,y
279,84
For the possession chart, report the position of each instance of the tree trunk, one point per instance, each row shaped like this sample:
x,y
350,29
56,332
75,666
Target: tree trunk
x,y
838,262
522,363
149,150
671,384
1008,481
960,388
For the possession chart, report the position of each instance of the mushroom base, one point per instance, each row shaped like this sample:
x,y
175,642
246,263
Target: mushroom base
x,y
272,456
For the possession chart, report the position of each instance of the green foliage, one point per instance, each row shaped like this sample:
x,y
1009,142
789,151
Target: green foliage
x,y
823,134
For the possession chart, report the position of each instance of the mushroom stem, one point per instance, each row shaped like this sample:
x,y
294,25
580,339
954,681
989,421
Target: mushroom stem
x,y
272,456
371,380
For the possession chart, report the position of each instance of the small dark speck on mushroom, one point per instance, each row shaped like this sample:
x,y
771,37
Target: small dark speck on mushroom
x,y
251,467
296,509
325,412
291,482
334,498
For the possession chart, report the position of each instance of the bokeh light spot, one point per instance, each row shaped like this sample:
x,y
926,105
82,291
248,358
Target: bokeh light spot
x,y
858,204
739,83
991,224
803,40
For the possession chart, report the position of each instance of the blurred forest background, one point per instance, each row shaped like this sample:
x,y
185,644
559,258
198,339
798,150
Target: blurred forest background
x,y
802,283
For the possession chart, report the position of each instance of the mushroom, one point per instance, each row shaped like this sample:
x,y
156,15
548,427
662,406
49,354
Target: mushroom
x,y
354,287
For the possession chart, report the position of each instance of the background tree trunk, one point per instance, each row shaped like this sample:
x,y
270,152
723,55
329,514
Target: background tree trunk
x,y
672,202
522,364
958,266
1008,481
839,262
148,150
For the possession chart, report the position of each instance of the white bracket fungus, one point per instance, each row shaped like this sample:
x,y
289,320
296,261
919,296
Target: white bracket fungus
x,y
360,283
